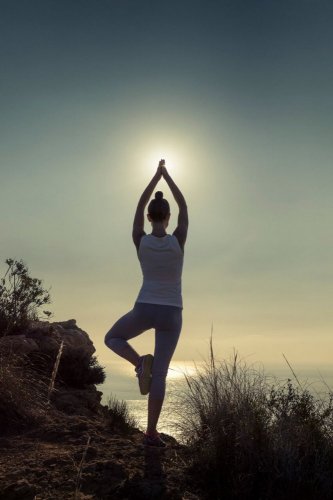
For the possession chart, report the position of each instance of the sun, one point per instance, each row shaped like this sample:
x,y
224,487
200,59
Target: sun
x,y
178,156
173,161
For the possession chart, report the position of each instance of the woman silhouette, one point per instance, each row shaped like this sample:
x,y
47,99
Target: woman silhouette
x,y
159,303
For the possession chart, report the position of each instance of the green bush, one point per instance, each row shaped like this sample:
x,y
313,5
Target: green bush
x,y
21,297
251,439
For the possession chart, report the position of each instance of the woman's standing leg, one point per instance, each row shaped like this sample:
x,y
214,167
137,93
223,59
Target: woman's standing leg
x,y
166,339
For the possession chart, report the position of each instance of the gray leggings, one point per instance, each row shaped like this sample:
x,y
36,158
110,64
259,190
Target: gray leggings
x,y
167,322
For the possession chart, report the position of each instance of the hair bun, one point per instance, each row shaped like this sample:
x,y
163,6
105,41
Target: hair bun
x,y
158,195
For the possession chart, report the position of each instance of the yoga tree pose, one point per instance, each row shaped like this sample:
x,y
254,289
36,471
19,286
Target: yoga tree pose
x,y
159,303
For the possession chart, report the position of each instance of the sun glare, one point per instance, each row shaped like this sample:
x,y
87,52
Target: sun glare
x,y
178,369
173,161
176,153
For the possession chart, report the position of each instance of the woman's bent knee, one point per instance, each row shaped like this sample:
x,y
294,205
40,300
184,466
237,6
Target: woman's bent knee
x,y
112,342
113,334
107,338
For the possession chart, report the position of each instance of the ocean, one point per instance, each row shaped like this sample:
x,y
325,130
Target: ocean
x,y
121,383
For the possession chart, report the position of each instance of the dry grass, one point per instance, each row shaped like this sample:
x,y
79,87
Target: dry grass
x,y
119,416
80,468
23,394
28,381
252,438
55,370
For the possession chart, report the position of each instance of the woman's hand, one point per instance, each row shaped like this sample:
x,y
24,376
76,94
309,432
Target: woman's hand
x,y
160,167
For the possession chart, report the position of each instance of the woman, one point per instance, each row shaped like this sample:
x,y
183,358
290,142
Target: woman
x,y
159,303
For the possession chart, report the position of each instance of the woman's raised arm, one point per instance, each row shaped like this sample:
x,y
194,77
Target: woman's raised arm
x,y
139,218
181,230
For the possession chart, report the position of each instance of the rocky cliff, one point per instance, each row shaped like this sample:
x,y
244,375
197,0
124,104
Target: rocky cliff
x,y
70,446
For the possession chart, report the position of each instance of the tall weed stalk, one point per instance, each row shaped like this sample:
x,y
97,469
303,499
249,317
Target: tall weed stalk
x,y
55,370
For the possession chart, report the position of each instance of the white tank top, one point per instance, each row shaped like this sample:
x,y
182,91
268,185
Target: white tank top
x,y
161,261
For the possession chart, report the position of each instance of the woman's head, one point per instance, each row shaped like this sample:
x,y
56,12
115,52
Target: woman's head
x,y
158,209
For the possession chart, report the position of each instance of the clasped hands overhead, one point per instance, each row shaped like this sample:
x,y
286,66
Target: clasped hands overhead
x,y
161,169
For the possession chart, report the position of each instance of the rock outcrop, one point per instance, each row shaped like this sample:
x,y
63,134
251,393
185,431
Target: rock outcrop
x,y
46,337
74,391
75,448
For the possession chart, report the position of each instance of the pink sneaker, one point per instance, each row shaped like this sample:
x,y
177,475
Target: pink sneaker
x,y
143,372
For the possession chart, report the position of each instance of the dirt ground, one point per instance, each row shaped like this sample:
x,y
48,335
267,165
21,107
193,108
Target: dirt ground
x,y
81,458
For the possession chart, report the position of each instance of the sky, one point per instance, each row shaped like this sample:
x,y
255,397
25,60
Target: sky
x,y
237,97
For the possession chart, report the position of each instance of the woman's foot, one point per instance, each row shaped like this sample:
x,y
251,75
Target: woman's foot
x,y
143,372
154,440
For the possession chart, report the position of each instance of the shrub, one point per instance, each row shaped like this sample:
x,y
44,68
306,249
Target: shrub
x,y
253,439
79,371
76,369
301,427
21,297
